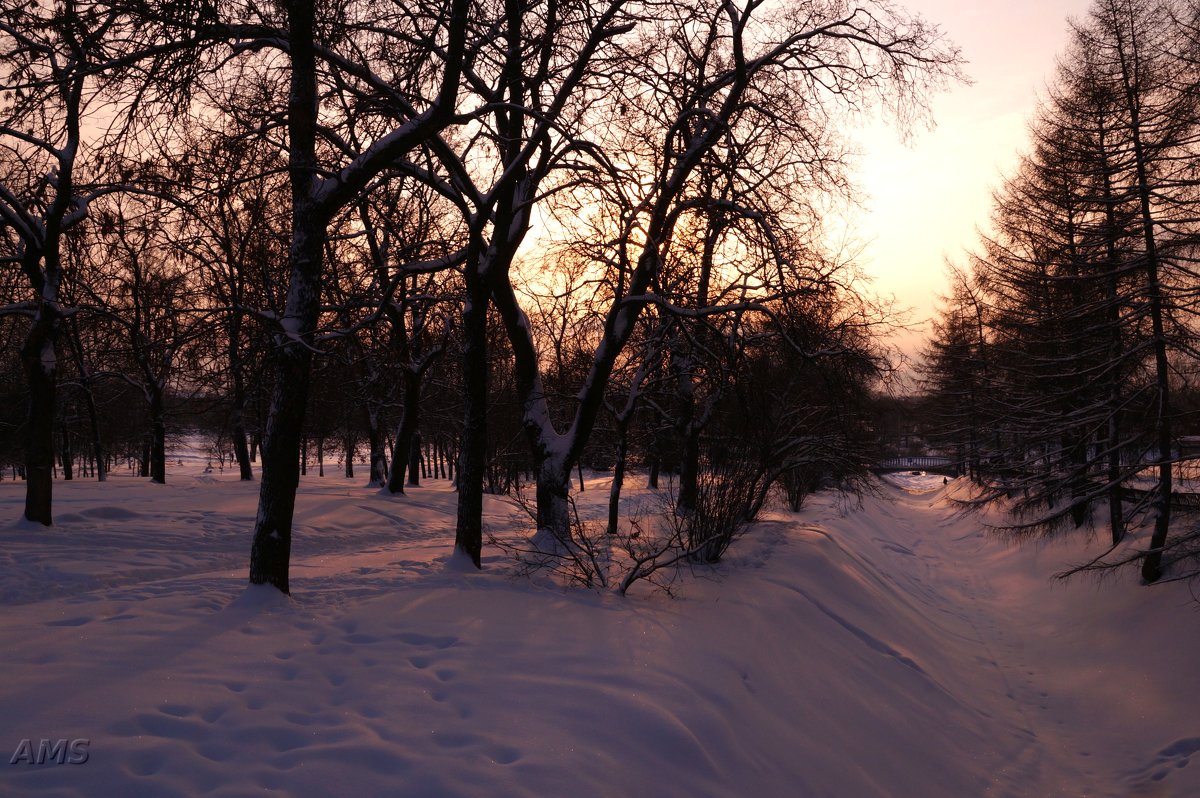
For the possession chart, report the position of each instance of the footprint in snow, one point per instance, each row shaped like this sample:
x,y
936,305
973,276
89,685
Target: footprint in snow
x,y
1176,756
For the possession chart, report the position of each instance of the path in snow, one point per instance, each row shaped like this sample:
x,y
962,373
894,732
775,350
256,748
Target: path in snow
x,y
1099,676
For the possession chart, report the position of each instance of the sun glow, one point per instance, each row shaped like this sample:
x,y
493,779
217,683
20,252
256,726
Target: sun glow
x,y
925,199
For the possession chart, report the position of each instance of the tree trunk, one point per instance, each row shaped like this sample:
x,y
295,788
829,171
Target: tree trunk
x,y
414,460
158,438
553,508
270,552
689,470
241,447
41,375
1152,566
379,462
684,363
67,455
147,447
614,491
468,532
1161,505
1116,507
395,480
101,467
406,436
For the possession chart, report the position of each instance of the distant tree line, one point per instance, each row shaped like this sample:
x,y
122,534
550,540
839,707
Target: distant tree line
x,y
488,241
1063,364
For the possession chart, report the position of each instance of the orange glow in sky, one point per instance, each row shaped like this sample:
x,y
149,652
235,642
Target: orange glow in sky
x,y
925,199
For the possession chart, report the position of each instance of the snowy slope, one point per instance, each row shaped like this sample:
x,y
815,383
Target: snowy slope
x,y
885,651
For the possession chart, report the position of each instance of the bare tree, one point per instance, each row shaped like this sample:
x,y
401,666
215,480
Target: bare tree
x,y
410,250
349,51
51,59
233,226
714,72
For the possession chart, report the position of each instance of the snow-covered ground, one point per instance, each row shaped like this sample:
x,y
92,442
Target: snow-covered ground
x,y
889,650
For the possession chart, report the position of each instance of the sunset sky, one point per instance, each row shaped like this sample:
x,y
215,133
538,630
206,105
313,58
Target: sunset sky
x,y
926,198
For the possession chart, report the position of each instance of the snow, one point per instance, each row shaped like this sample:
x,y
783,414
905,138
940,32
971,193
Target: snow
x,y
884,650
290,326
